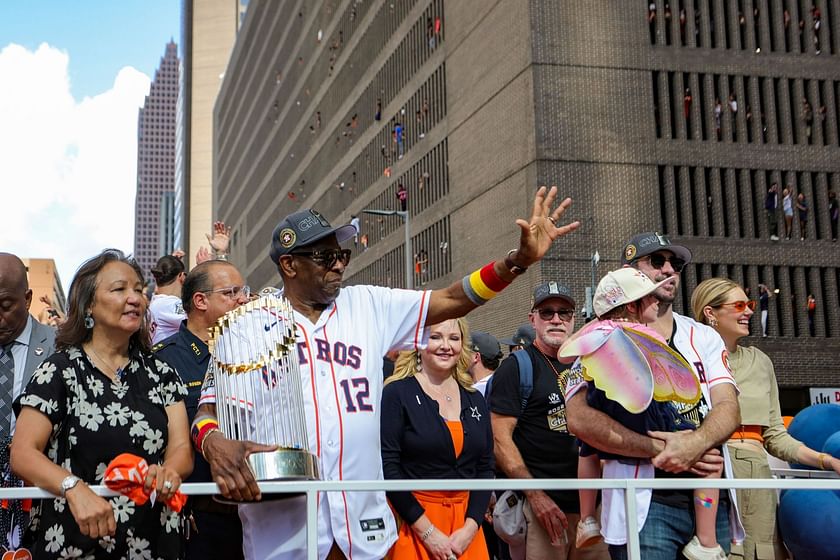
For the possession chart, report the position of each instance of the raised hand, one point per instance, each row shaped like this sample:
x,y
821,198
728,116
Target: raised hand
x,y
538,233
220,241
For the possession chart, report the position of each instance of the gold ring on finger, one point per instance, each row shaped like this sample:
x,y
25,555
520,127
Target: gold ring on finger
x,y
552,220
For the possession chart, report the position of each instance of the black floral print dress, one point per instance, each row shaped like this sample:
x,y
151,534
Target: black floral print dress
x,y
95,419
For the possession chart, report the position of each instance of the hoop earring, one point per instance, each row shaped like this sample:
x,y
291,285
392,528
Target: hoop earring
x,y
88,320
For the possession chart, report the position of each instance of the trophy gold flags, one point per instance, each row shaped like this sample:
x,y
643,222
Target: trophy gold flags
x,y
258,387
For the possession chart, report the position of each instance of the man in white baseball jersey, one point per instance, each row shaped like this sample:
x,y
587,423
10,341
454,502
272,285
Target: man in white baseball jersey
x,y
342,336
666,516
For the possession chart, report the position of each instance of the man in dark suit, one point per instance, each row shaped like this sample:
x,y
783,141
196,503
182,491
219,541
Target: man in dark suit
x,y
24,343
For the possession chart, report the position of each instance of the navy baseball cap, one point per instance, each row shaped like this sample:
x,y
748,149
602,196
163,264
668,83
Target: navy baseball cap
x,y
549,290
524,336
650,242
304,228
485,344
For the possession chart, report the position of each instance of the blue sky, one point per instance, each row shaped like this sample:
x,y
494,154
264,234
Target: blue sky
x,y
73,75
101,36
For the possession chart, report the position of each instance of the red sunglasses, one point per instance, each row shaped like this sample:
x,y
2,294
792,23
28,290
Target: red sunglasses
x,y
741,305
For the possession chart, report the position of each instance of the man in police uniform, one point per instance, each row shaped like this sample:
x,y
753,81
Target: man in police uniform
x,y
210,290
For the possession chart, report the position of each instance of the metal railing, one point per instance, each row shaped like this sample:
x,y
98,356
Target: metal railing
x,y
805,480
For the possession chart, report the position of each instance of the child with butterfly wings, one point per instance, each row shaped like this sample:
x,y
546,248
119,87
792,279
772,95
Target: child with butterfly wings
x,y
631,373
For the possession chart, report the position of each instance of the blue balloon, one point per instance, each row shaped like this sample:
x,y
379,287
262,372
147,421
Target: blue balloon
x,y
832,445
809,521
814,425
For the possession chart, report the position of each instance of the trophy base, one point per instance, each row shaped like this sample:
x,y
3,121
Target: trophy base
x,y
280,464
283,464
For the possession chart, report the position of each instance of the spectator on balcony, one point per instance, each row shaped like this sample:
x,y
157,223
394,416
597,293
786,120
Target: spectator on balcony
x,y
787,208
811,308
354,221
808,117
398,139
421,267
764,296
402,196
802,212
833,213
686,103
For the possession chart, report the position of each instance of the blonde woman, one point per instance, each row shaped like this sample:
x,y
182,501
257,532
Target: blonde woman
x,y
723,305
436,425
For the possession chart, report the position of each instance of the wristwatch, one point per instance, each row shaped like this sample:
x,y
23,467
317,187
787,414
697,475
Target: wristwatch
x,y
69,483
514,268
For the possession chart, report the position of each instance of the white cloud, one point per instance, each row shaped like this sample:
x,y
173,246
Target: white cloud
x,y
67,167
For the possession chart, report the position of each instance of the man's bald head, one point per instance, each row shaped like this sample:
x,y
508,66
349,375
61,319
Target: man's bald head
x,y
15,297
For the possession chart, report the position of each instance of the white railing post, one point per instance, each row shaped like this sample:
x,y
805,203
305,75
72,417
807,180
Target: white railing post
x,y
630,510
312,524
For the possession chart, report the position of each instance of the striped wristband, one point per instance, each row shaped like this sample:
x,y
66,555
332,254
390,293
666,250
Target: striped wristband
x,y
483,285
201,428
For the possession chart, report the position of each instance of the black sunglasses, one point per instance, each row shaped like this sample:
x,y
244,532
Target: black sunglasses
x,y
547,313
658,260
326,257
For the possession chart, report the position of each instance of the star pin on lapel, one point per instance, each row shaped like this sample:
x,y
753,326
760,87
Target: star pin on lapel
x,y
475,413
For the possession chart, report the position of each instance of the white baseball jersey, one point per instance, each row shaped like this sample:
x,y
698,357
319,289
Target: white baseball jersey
x,y
340,360
167,313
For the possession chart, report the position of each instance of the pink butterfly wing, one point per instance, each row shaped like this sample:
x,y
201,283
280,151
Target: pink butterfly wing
x,y
584,342
673,378
619,368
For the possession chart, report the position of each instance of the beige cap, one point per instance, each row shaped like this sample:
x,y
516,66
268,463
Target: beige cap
x,y
621,286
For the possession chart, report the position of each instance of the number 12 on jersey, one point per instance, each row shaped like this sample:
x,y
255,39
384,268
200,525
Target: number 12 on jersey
x,y
356,396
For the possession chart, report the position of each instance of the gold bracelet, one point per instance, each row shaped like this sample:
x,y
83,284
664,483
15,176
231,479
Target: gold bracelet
x,y
204,440
820,459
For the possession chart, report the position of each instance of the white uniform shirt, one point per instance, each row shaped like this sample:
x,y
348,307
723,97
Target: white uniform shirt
x,y
703,348
340,360
167,313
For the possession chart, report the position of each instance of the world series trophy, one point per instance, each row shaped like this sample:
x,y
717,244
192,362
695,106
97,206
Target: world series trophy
x,y
259,396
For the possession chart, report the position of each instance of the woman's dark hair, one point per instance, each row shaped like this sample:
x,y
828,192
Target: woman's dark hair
x,y
73,331
167,270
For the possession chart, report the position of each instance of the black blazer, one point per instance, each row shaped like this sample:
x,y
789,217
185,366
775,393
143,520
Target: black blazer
x,y
416,443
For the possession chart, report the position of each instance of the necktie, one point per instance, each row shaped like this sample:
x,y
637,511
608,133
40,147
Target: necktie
x,y
7,384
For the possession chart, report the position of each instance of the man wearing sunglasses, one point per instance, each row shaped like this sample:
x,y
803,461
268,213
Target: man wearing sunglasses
x,y
342,335
531,435
669,523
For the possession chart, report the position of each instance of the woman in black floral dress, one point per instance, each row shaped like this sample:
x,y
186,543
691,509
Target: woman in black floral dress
x,y
101,395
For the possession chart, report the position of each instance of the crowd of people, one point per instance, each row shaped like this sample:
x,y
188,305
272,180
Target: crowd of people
x,y
104,400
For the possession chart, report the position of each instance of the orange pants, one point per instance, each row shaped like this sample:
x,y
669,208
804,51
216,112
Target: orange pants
x,y
447,511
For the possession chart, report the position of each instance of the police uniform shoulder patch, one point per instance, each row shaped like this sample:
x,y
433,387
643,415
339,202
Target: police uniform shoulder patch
x,y
162,344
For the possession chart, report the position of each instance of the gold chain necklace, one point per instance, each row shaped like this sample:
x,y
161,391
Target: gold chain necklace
x,y
548,361
116,370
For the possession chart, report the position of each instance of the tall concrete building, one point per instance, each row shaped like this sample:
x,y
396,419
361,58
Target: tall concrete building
x,y
208,31
155,160
676,119
44,281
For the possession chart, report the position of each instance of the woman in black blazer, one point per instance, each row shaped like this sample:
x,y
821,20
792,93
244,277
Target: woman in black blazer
x,y
435,425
